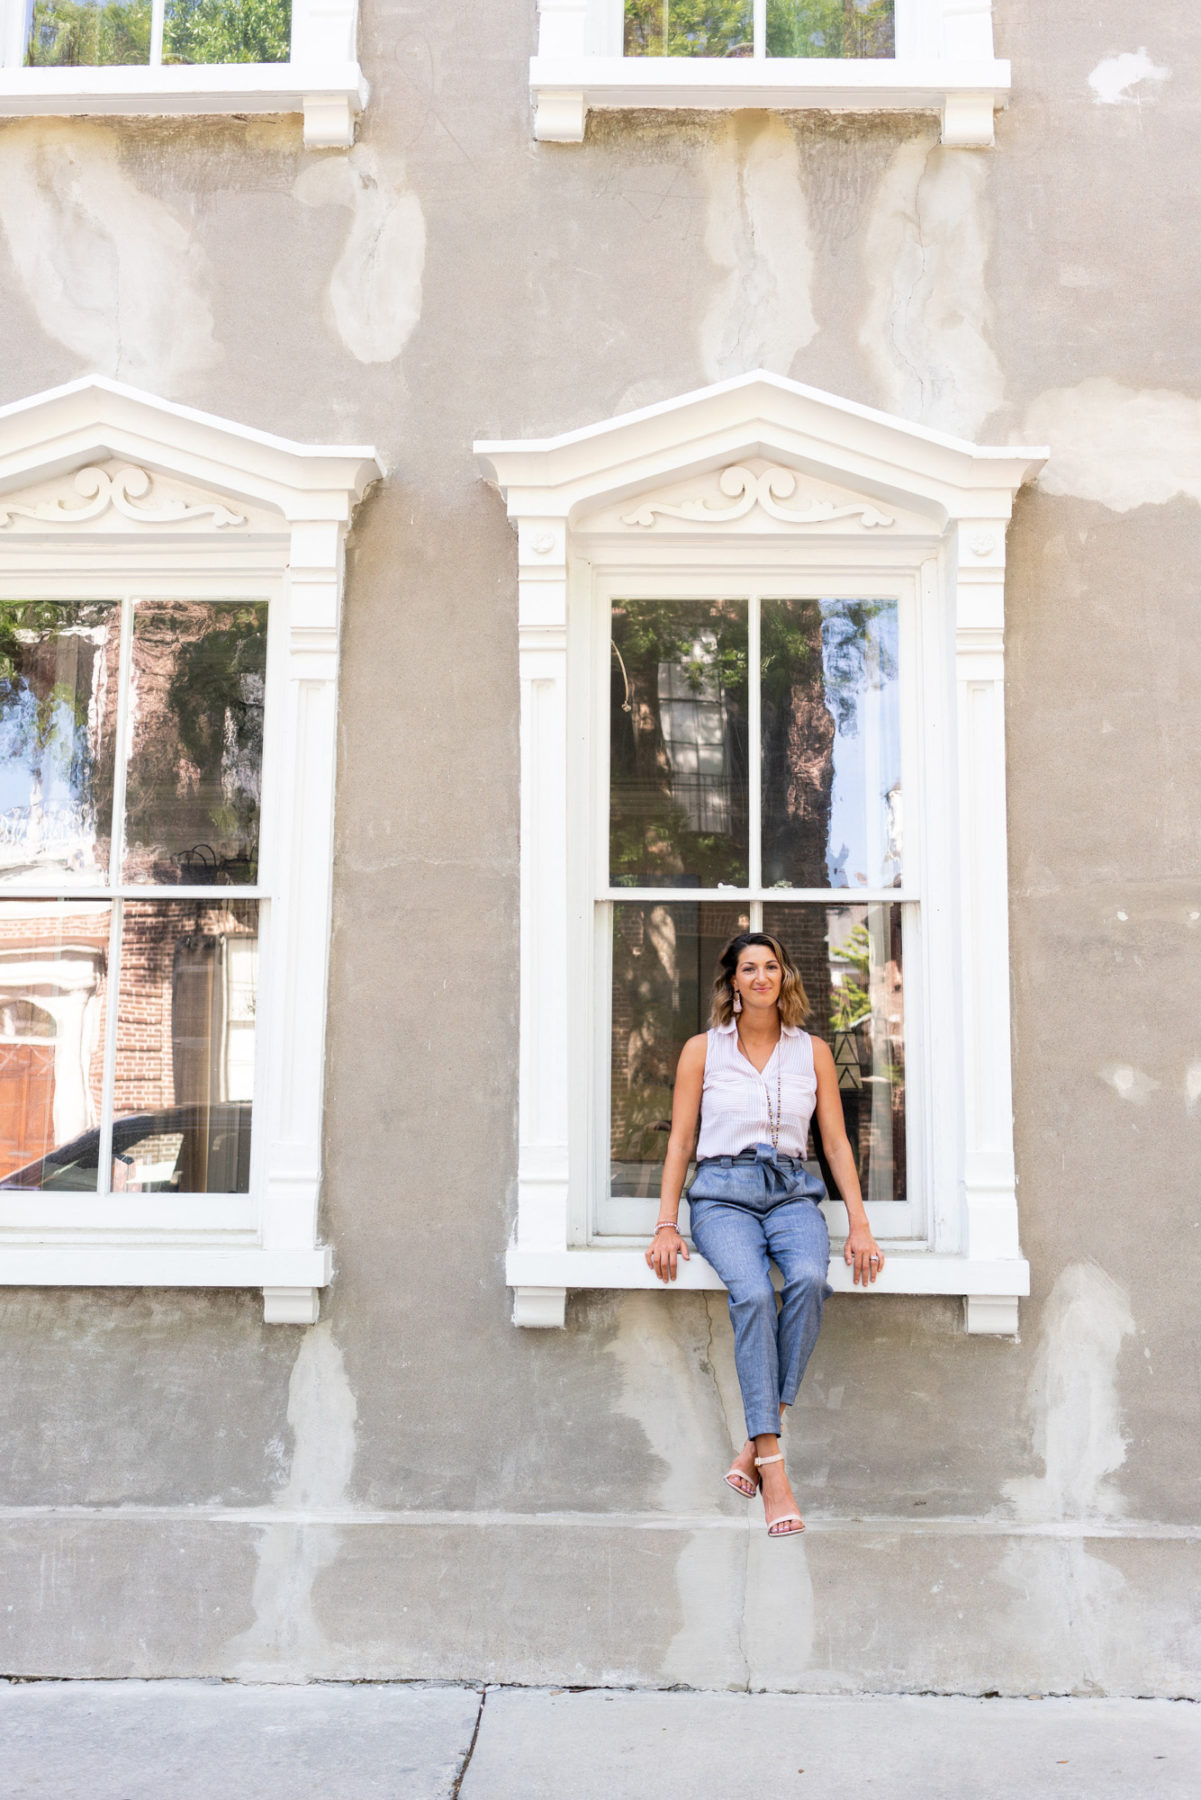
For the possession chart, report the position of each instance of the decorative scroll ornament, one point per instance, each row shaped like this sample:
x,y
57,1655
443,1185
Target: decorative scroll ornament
x,y
124,491
748,490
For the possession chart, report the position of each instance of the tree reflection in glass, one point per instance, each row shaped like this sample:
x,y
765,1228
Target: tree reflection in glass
x,y
689,28
839,28
196,743
677,743
58,703
88,33
831,744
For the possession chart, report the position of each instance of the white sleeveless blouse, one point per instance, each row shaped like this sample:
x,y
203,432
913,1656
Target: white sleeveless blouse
x,y
734,1100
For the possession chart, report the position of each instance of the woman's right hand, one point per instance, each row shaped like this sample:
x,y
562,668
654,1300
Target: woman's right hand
x,y
666,1246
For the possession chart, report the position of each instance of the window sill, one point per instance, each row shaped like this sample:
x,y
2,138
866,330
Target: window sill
x,y
290,1278
330,95
964,94
990,1289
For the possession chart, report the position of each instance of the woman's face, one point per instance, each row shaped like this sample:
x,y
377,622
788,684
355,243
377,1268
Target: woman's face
x,y
758,977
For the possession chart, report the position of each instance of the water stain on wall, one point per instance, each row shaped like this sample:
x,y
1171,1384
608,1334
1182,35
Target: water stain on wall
x,y
925,329
1121,446
757,231
286,1642
374,292
108,270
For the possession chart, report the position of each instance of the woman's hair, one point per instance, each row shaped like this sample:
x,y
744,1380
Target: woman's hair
x,y
793,1002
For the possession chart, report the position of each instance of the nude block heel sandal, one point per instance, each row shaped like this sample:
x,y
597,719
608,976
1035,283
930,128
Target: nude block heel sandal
x,y
793,1519
734,1478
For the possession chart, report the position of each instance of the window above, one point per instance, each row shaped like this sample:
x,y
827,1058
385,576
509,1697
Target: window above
x,y
185,56
833,55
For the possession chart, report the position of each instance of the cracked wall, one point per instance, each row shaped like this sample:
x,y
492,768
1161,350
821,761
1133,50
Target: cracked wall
x,y
415,1489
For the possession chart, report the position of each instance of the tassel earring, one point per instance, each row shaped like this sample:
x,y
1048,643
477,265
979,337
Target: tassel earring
x,y
737,1002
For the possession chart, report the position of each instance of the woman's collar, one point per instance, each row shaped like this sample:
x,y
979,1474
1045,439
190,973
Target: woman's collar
x,y
732,1026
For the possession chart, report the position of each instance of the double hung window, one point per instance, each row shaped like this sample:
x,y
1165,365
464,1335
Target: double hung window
x,y
168,673
756,748
762,660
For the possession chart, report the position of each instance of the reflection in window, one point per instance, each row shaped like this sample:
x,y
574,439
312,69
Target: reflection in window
x,y
831,744
100,33
196,743
664,961
689,28
796,28
53,994
842,28
678,769
58,705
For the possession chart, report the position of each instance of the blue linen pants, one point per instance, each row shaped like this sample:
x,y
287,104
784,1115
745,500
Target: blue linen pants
x,y
768,1213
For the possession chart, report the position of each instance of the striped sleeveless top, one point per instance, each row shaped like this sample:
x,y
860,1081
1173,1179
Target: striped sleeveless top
x,y
734,1100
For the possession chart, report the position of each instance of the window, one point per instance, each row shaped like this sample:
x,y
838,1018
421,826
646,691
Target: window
x,y
762,661
168,661
179,56
840,55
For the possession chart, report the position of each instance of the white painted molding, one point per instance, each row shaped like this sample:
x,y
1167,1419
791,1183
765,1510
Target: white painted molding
x,y
991,1315
291,1305
322,80
581,503
944,65
906,1271
540,1308
292,504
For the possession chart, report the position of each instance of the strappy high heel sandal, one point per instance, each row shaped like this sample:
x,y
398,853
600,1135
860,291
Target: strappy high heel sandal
x,y
793,1520
734,1478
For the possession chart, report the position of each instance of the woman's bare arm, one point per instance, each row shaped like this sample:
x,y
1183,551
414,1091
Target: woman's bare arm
x,y
861,1252
666,1246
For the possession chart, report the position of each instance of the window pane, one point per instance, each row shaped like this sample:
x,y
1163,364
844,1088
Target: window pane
x,y
227,31
185,1047
88,33
58,706
664,959
677,759
196,743
831,756
689,28
851,28
53,991
850,961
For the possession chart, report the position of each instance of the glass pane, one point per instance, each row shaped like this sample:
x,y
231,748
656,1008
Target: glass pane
x,y
88,33
849,958
185,1047
53,993
689,28
664,960
677,743
58,706
227,31
196,743
831,756
851,28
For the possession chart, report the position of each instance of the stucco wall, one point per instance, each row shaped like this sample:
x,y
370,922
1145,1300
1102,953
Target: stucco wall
x,y
414,1488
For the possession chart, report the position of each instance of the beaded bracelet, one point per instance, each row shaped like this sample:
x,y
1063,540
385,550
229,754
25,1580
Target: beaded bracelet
x,y
666,1225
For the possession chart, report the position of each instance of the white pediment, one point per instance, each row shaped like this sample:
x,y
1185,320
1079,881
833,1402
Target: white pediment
x,y
112,496
750,497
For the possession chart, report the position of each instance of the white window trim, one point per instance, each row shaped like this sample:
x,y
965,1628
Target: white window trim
x,y
322,79
287,546
958,499
944,64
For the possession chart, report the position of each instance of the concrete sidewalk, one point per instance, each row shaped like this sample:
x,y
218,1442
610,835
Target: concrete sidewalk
x,y
181,1740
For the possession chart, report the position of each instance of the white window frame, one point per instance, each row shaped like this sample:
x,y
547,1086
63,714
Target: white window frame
x,y
944,63
229,513
580,503
322,78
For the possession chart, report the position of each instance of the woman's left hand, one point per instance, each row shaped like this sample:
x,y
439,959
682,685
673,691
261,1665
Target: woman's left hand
x,y
862,1254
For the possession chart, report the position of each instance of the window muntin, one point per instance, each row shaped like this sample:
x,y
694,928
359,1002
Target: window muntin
x,y
844,29
124,33
175,688
801,714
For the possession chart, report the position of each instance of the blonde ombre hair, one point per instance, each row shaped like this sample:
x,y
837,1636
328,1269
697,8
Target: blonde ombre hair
x,y
793,1003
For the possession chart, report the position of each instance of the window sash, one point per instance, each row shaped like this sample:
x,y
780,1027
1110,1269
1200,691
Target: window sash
x,y
169,1214
596,1215
16,22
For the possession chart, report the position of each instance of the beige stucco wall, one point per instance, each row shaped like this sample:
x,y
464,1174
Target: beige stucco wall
x,y
414,1488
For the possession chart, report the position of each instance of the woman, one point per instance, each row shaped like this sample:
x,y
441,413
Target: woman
x,y
754,1080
